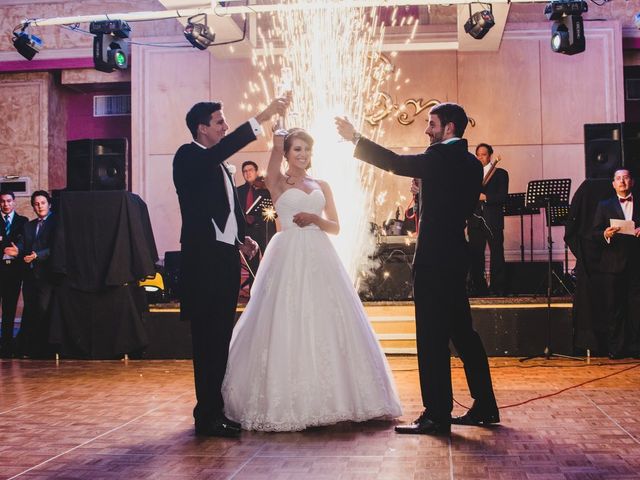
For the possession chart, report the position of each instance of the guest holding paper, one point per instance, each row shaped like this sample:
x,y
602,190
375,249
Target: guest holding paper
x,y
620,263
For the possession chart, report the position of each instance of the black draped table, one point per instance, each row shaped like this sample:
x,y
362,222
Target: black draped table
x,y
102,247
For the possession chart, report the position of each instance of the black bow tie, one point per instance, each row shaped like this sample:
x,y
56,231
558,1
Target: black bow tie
x,y
628,199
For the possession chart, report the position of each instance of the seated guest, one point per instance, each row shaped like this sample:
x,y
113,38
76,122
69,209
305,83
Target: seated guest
x,y
11,229
34,249
620,264
258,227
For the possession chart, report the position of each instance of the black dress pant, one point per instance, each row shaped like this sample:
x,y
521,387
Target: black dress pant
x,y
443,314
622,311
10,284
33,338
478,239
210,282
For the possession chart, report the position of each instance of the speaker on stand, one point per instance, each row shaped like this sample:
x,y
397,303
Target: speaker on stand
x,y
611,146
97,164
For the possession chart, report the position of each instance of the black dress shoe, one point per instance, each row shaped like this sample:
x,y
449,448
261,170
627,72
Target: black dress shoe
x,y
228,421
477,416
425,426
216,429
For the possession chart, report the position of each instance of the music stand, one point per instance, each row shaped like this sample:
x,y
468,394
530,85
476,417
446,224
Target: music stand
x,y
515,205
263,208
559,215
547,194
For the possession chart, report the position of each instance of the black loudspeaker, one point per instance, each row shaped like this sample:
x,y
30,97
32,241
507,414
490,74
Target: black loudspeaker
x,y
530,277
97,164
611,146
391,280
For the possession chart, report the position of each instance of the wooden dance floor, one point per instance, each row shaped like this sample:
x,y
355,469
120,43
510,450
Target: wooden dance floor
x,y
132,420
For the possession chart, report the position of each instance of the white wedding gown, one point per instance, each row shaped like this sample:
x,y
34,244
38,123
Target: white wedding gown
x,y
303,352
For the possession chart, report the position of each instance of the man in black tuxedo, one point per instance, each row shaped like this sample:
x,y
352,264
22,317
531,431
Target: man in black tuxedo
x,y
34,249
450,183
11,230
212,226
620,263
257,227
486,225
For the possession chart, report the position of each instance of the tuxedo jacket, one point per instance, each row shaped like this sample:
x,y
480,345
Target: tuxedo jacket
x,y
201,190
491,210
16,232
624,250
451,182
41,244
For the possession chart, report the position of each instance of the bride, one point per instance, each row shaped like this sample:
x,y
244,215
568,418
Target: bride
x,y
303,352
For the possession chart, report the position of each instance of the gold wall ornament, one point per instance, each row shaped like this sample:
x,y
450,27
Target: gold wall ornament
x,y
380,108
382,105
418,107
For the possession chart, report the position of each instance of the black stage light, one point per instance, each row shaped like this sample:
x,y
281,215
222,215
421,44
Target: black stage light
x,y
110,49
199,34
567,31
27,45
480,22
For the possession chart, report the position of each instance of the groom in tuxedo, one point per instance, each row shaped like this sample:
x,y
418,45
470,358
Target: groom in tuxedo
x,y
620,264
450,184
213,225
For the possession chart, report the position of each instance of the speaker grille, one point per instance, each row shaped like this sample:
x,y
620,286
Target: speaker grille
x,y
97,164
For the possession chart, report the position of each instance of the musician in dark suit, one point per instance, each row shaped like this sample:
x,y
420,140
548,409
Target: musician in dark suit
x,y
450,183
213,227
486,225
34,249
620,263
11,230
257,227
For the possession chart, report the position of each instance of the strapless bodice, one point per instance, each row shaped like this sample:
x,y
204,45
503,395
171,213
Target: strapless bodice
x,y
294,201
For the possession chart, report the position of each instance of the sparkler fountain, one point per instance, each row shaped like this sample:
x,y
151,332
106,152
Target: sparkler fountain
x,y
330,54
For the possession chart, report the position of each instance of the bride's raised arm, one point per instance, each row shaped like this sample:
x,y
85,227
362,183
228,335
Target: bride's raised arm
x,y
275,179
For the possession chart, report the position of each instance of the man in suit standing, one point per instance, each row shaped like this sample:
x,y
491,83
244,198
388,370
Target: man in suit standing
x,y
212,228
11,229
620,263
486,225
450,183
34,249
257,227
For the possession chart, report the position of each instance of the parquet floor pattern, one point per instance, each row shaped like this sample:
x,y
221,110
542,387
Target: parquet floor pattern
x,y
132,420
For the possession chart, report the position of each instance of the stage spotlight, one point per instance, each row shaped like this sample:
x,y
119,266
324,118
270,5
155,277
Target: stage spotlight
x,y
567,31
199,34
480,22
27,45
110,49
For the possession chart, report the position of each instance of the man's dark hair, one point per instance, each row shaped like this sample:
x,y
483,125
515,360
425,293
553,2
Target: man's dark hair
x,y
249,162
485,145
40,193
7,192
200,114
451,113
